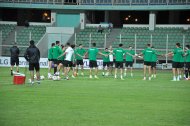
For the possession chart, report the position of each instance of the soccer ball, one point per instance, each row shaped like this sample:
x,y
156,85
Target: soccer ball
x,y
35,76
29,80
50,77
55,78
58,77
42,77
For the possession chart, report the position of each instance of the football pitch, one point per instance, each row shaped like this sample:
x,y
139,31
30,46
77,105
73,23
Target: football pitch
x,y
95,102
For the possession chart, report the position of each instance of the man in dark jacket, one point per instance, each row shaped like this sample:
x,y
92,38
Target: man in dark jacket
x,y
32,55
14,57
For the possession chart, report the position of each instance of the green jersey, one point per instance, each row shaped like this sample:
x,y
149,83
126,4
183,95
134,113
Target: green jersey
x,y
81,52
62,57
129,57
154,57
148,52
105,58
178,53
92,53
57,51
188,56
182,60
119,52
73,58
50,53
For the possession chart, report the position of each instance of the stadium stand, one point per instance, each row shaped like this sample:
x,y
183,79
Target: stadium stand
x,y
6,30
158,37
84,37
23,36
36,33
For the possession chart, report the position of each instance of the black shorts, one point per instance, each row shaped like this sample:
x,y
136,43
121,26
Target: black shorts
x,y
50,60
129,63
55,61
73,64
176,65
93,63
68,63
14,61
106,64
118,64
153,64
147,63
59,61
80,62
33,66
181,64
111,64
187,65
63,62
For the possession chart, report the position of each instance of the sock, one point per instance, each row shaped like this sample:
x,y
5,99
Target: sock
x,y
55,70
186,73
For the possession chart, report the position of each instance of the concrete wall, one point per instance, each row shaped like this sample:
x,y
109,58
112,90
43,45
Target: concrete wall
x,y
67,20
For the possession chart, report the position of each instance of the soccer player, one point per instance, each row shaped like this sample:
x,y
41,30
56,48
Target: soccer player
x,y
129,60
176,65
50,56
111,60
153,63
14,57
73,61
147,53
68,59
105,62
32,55
119,53
57,51
80,54
61,61
92,54
182,62
187,64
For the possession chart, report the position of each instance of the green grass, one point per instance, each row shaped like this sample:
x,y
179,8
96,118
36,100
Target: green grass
x,y
91,102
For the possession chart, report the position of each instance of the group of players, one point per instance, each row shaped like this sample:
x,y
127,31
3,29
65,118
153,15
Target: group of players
x,y
66,58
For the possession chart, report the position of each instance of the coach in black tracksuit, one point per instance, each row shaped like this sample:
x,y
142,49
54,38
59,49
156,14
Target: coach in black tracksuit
x,y
32,55
14,57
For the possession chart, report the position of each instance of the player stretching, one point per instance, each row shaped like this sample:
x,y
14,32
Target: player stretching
x,y
147,53
92,54
57,51
80,54
154,60
119,53
68,59
105,62
111,60
61,62
176,65
129,60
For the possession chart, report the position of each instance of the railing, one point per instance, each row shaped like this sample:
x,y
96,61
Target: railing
x,y
164,46
101,2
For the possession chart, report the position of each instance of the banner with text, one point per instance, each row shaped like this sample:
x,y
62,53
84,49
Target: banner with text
x,y
5,62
